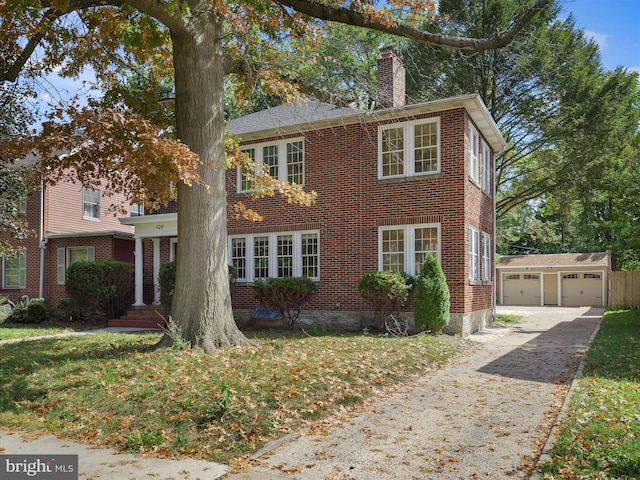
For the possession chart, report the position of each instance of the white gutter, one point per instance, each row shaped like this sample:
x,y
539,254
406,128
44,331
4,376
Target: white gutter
x,y
43,240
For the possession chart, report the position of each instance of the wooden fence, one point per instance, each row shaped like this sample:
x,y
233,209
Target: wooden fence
x,y
624,290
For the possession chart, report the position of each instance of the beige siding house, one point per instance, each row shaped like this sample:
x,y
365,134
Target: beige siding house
x,y
566,279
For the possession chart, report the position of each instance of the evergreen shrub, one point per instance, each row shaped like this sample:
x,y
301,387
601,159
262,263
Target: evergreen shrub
x,y
431,311
386,292
286,296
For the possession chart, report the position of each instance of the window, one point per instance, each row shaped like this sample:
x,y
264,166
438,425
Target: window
x,y
14,270
283,160
531,276
474,254
137,209
512,277
66,256
474,157
570,276
91,203
404,248
409,149
486,257
486,169
593,276
290,254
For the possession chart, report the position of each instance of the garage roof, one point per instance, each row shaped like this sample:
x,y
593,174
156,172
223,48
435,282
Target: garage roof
x,y
555,260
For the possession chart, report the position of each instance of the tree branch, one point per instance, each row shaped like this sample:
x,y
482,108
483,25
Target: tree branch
x,y
340,14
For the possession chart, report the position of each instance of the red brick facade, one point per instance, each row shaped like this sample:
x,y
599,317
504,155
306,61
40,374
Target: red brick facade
x,y
341,165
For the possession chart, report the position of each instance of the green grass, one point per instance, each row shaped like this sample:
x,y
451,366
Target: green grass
x,y
507,319
10,331
111,389
601,436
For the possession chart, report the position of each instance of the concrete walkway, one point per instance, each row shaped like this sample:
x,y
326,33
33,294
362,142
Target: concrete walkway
x,y
486,415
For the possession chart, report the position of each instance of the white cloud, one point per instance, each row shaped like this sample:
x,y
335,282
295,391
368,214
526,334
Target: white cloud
x,y
601,39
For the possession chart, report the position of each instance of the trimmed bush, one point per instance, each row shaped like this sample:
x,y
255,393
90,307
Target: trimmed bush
x,y
286,296
167,281
91,286
431,312
386,292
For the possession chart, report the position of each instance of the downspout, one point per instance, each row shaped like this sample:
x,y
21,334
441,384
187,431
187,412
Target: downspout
x,y
43,240
495,241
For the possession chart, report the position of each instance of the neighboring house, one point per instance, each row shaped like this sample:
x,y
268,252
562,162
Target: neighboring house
x,y
563,279
393,185
69,223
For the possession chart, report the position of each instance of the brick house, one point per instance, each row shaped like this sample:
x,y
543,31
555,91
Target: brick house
x,y
69,223
393,185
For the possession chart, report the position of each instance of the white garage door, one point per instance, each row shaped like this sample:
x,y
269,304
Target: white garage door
x,y
521,289
582,289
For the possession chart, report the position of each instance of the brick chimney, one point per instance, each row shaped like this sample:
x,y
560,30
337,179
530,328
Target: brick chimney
x,y
391,76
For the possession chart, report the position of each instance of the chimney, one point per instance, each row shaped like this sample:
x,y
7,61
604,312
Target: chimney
x,y
391,76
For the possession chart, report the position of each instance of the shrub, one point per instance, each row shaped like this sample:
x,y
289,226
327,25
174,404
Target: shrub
x,y
31,311
91,286
286,296
167,282
386,291
431,311
37,311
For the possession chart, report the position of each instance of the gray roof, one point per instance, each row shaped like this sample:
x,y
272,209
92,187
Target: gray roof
x,y
309,115
283,116
555,260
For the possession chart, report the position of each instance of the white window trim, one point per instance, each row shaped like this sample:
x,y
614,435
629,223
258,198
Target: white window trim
x,y
474,154
474,254
409,147
64,258
283,173
86,190
409,244
22,269
486,169
273,252
486,257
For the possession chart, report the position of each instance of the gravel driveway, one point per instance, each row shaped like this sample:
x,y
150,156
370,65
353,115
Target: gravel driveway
x,y
486,415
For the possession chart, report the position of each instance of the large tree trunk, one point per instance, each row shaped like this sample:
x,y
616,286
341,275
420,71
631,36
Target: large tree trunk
x,y
201,304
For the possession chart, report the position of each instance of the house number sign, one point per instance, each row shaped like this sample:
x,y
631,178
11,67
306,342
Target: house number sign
x,y
160,227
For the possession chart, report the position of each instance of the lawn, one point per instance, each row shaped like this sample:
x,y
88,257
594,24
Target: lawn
x,y
600,438
10,331
113,390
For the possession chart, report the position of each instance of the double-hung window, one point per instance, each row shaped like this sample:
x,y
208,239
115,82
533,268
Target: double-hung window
x,y
90,203
474,154
282,160
474,253
14,270
286,254
486,256
486,169
66,256
409,149
404,248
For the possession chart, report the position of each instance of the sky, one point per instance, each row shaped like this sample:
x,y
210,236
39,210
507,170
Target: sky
x,y
614,25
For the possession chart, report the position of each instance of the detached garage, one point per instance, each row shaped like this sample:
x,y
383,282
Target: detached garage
x,y
564,279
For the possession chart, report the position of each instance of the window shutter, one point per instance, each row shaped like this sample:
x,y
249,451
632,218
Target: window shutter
x,y
23,269
91,253
61,265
